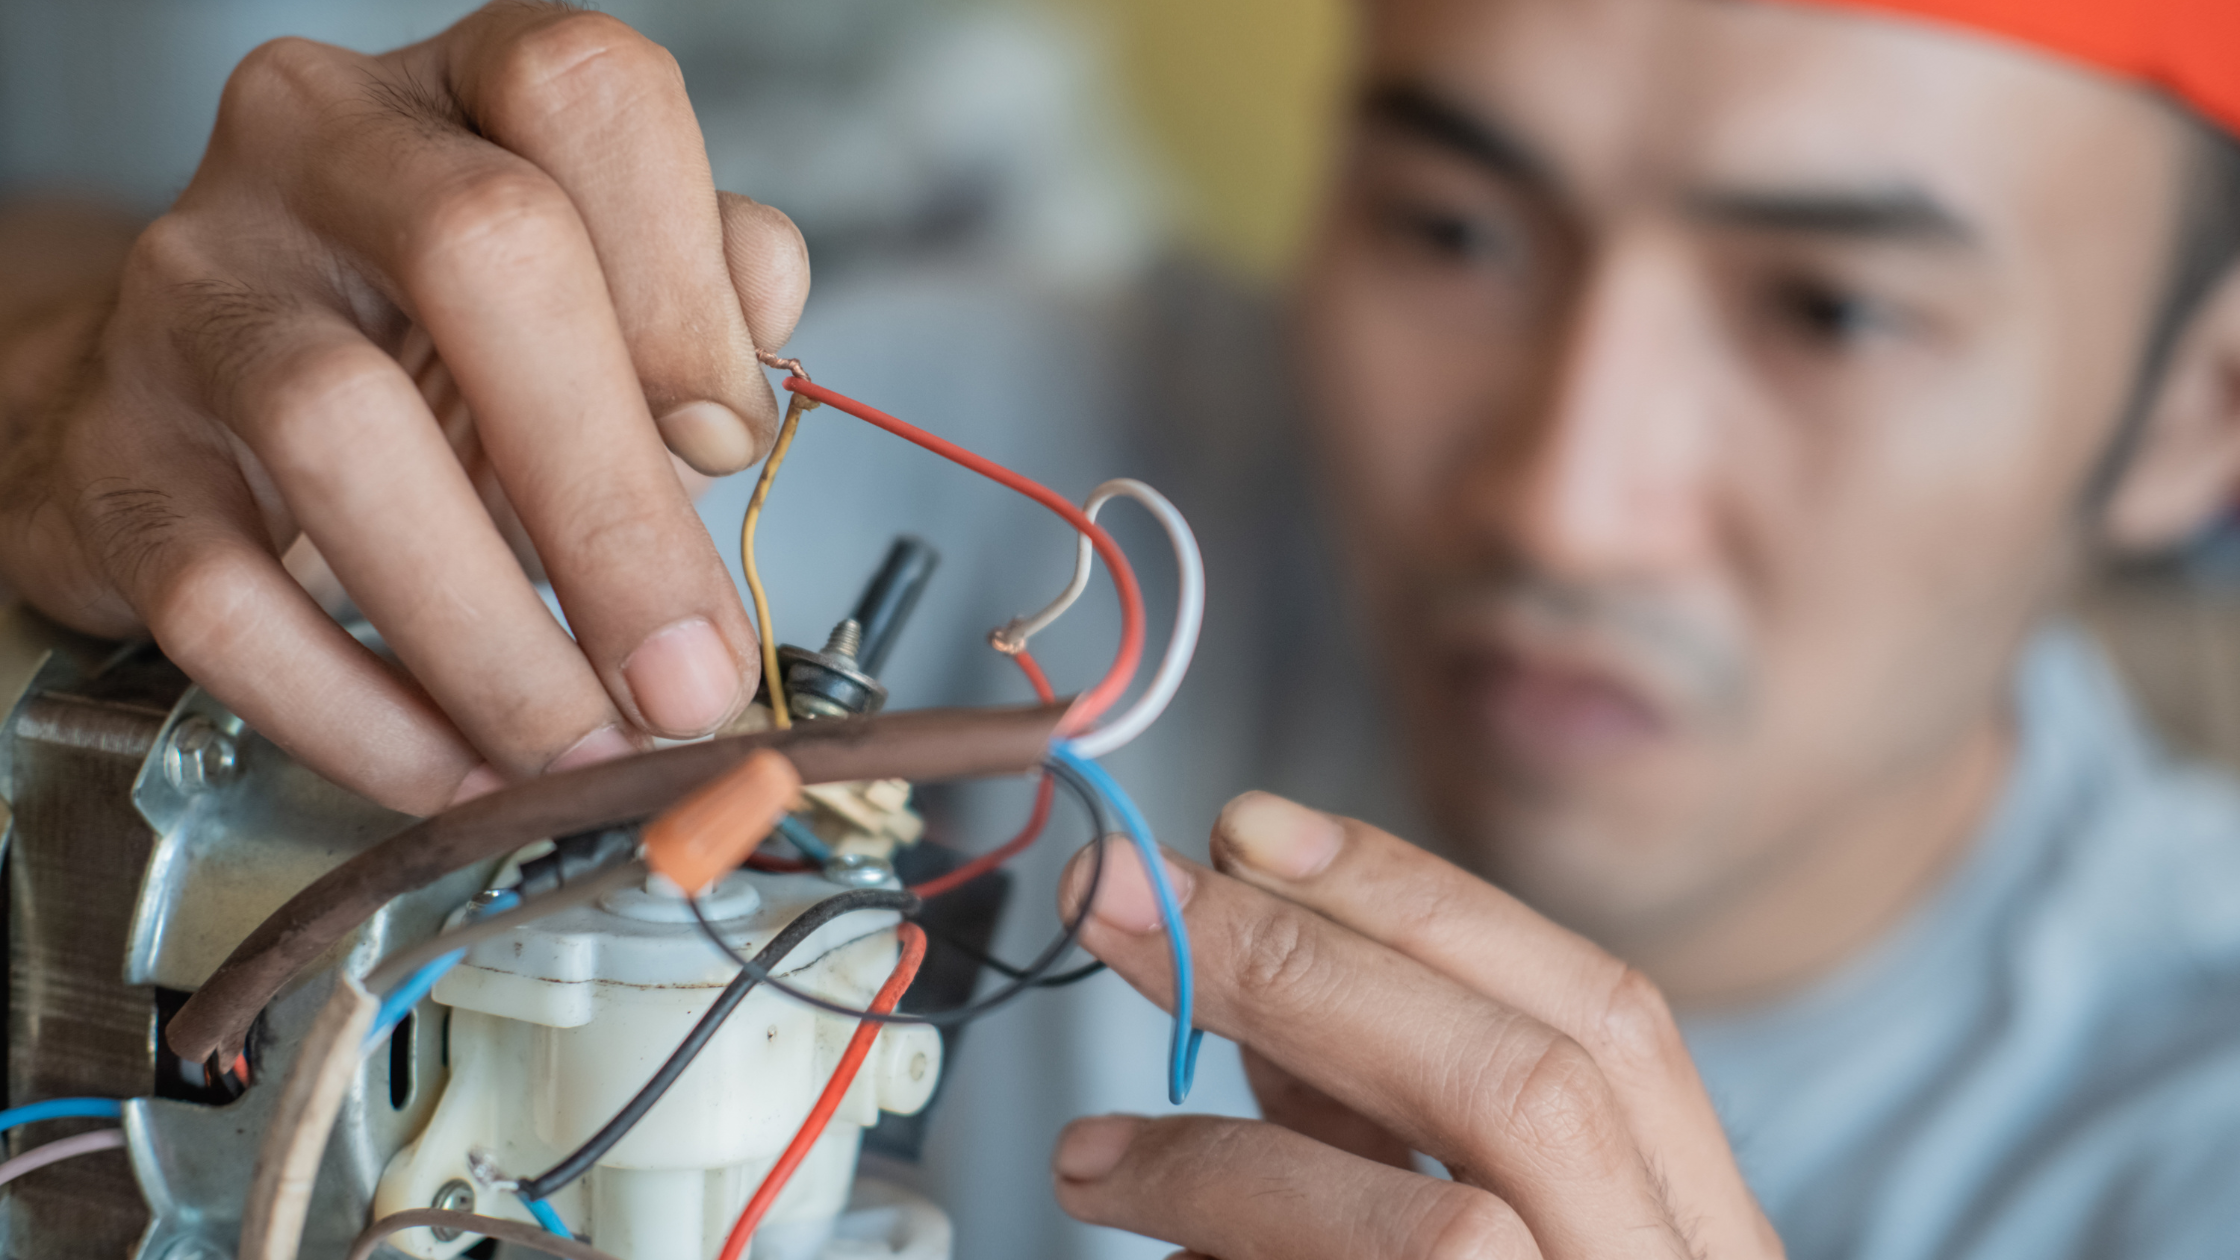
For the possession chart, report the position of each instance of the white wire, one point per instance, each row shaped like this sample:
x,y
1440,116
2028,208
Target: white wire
x,y
60,1149
1189,614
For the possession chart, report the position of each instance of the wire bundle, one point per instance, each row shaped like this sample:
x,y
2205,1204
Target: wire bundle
x,y
1079,745
299,1132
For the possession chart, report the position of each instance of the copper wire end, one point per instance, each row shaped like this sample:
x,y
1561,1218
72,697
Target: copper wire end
x,y
791,365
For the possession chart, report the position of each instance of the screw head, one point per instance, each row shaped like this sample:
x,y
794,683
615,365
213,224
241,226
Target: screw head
x,y
455,1196
199,756
858,870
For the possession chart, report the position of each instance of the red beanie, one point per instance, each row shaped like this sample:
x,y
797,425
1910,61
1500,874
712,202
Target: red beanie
x,y
2188,48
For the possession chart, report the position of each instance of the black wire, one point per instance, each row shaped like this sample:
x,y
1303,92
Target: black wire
x,y
999,966
789,938
963,1014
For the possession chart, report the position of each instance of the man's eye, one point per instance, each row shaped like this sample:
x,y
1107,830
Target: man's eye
x,y
1832,314
1457,237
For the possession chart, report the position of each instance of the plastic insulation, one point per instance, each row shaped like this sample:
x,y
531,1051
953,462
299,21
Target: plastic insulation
x,y
468,1223
1036,820
919,744
578,1162
1002,968
295,1140
1034,971
61,1149
913,940
391,971
62,1109
771,679
1108,690
705,836
1182,1061
811,845
1182,643
1045,793
1189,616
413,991
548,1218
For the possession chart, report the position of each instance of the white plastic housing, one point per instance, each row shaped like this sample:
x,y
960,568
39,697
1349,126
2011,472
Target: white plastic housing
x,y
555,1026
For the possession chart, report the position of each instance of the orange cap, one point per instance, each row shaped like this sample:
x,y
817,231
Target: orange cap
x,y
700,838
2188,48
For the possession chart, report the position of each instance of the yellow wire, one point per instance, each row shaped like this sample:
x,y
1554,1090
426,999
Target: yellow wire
x,y
776,684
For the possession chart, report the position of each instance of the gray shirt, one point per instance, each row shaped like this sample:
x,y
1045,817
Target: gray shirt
x,y
2044,1060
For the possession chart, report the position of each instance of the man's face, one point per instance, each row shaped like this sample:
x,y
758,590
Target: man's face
x,y
1710,388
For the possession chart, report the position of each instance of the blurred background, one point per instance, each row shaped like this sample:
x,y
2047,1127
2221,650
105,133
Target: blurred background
x,y
1054,230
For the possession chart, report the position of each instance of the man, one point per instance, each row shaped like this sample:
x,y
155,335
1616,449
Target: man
x,y
1717,393
1717,397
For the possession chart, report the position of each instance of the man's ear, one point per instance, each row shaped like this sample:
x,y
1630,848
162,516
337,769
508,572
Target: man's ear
x,y
2186,468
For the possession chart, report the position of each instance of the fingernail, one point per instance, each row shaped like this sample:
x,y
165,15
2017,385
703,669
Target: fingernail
x,y
1125,897
1090,1148
604,744
480,781
709,436
1283,838
684,679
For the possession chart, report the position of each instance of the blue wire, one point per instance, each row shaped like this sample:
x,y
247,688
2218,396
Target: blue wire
x,y
419,984
1182,1064
547,1217
804,839
59,1109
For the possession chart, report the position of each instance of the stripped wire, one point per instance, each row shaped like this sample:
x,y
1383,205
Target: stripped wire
x,y
1109,689
913,939
794,411
1189,614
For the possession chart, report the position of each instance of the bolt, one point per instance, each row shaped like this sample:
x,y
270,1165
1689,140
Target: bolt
x,y
846,640
858,870
455,1196
199,756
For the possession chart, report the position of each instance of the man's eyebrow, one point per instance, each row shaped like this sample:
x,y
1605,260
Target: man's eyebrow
x,y
1893,214
1420,112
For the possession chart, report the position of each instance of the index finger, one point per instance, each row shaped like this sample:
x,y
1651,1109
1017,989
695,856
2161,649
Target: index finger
x,y
487,254
603,111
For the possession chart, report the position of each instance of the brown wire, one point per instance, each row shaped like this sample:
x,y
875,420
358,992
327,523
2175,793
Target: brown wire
x,y
920,745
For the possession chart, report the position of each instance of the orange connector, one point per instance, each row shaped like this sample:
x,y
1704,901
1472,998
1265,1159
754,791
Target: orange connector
x,y
709,833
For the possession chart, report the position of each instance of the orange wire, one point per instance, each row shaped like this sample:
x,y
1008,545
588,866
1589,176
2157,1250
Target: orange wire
x,y
1036,820
1109,688
913,940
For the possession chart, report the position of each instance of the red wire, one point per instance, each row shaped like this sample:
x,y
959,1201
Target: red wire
x,y
851,1061
1108,690
778,865
1036,820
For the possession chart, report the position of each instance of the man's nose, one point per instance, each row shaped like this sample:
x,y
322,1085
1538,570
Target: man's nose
x,y
1608,479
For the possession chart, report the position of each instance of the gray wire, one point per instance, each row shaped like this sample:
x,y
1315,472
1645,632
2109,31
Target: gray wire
x,y
393,970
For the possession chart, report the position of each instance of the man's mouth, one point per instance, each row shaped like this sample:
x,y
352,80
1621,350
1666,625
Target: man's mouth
x,y
1555,717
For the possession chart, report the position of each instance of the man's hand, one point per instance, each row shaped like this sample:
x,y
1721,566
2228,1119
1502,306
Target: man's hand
x,y
418,315
1389,1002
